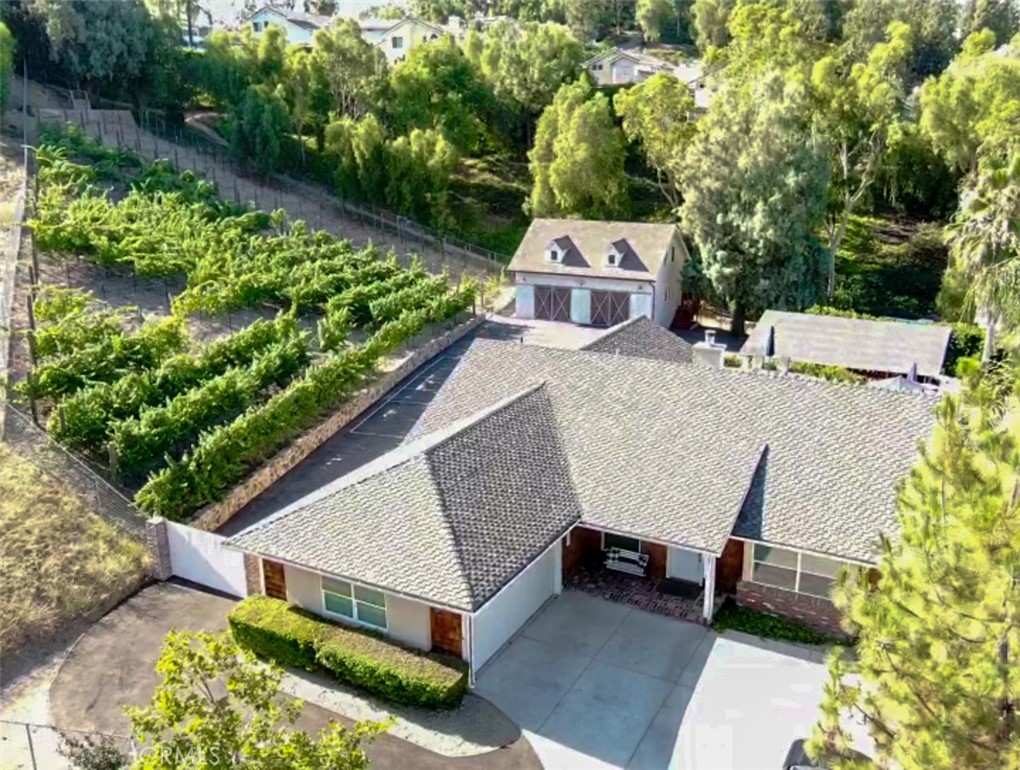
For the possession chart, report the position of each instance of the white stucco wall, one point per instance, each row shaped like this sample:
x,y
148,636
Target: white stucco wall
x,y
408,621
295,34
588,282
412,32
640,304
669,276
507,611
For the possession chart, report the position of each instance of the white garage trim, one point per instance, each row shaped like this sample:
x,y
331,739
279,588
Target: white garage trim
x,y
509,609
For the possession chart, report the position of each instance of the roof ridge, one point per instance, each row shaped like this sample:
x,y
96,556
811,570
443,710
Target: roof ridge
x,y
779,375
612,331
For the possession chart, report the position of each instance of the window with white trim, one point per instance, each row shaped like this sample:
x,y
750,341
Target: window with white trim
x,y
397,42
358,603
794,571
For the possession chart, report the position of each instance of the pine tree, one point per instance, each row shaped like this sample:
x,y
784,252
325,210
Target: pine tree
x,y
935,675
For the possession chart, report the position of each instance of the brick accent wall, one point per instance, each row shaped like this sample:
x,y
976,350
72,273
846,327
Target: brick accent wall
x,y
656,559
816,613
275,579
582,540
157,544
214,516
729,567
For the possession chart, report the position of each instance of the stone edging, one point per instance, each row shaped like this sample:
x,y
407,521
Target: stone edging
x,y
213,516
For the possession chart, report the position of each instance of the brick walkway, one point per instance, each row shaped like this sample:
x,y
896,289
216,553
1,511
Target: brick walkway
x,y
643,593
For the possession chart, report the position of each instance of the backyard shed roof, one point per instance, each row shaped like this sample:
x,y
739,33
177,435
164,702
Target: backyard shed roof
x,y
857,343
585,244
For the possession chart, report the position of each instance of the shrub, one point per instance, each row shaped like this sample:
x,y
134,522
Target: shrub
x,y
966,341
294,637
829,372
272,629
732,616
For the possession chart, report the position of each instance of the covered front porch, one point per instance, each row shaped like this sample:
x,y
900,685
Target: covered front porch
x,y
653,576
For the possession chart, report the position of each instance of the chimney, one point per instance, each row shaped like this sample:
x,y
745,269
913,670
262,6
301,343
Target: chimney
x,y
709,353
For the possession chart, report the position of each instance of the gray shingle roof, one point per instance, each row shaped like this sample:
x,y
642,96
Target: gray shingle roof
x,y
586,243
641,337
857,343
669,451
450,518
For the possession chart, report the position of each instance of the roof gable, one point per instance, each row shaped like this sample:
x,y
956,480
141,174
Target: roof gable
x,y
641,337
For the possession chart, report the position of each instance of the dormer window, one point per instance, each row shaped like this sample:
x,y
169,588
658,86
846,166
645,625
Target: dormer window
x,y
553,254
612,259
614,254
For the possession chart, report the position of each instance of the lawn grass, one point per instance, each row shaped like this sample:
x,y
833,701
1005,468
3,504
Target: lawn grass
x,y
58,559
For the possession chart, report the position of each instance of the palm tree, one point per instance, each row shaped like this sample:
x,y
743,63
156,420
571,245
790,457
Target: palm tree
x,y
984,242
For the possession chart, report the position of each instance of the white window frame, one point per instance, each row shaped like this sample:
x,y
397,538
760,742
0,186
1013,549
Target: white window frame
x,y
797,571
397,42
554,255
356,619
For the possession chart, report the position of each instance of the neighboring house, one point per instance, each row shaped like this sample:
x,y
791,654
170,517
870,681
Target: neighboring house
x,y
299,27
877,348
396,39
618,67
598,273
532,461
703,89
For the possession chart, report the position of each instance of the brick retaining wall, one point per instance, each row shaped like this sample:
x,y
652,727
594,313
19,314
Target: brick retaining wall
x,y
214,516
812,611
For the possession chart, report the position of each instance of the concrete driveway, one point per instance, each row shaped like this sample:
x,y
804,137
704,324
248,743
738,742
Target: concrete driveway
x,y
597,684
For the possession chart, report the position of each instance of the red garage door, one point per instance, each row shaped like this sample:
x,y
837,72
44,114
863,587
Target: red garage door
x,y
552,303
609,308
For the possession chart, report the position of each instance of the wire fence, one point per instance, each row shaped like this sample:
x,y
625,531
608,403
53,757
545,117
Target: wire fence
x,y
30,442
28,746
151,135
10,248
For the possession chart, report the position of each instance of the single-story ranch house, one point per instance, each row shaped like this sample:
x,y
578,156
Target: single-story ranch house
x,y
598,273
532,462
877,348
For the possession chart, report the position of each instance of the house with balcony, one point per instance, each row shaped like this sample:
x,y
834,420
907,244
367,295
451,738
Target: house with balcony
x,y
536,470
598,273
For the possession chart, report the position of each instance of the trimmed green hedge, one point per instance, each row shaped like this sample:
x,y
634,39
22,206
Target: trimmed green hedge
x,y
294,637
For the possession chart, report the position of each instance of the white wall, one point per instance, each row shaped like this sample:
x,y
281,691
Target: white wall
x,y
588,282
507,611
684,565
624,71
201,558
524,306
669,275
295,34
580,306
408,621
640,304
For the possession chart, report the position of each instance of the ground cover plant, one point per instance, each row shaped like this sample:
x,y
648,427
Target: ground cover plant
x,y
731,616
180,422
61,559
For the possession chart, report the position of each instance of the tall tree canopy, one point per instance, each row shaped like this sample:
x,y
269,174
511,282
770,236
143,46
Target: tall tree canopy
x,y
935,673
353,69
257,124
985,245
437,86
859,115
932,25
711,22
577,160
652,15
1002,17
116,47
754,183
973,109
658,114
217,706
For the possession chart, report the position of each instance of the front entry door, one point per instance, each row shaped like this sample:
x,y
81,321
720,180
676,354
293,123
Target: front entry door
x,y
446,631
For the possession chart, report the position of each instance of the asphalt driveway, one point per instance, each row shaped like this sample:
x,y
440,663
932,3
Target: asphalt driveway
x,y
112,666
597,684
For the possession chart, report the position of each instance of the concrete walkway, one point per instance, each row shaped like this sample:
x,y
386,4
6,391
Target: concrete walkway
x,y
112,666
